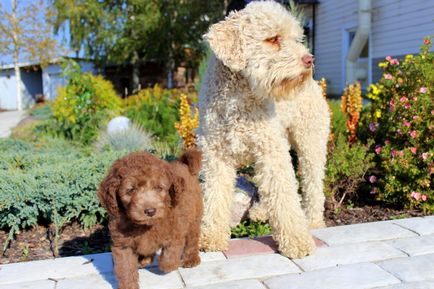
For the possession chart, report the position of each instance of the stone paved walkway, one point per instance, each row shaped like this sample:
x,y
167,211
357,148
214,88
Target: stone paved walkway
x,y
8,120
396,254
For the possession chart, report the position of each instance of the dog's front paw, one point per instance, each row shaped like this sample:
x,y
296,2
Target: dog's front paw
x,y
213,241
316,224
145,260
298,247
258,212
191,262
168,265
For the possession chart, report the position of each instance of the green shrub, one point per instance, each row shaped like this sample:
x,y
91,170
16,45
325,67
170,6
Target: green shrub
x,y
399,124
250,229
339,119
52,182
84,106
134,138
156,110
346,168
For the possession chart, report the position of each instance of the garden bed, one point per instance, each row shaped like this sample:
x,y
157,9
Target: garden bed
x,y
36,244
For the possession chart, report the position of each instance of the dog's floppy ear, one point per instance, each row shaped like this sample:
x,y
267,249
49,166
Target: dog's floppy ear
x,y
193,159
108,190
178,186
225,41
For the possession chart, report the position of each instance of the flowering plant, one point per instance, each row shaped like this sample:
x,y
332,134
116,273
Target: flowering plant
x,y
400,123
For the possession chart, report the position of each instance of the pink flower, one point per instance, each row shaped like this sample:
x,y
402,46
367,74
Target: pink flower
x,y
413,134
423,89
393,153
401,153
388,58
406,123
399,131
425,156
432,111
403,99
372,179
373,126
426,41
387,142
407,106
415,117
424,198
413,150
388,76
377,149
415,195
394,61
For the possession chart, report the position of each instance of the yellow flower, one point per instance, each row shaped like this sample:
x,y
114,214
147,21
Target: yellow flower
x,y
378,113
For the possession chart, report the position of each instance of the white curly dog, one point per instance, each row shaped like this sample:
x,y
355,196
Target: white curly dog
x,y
257,99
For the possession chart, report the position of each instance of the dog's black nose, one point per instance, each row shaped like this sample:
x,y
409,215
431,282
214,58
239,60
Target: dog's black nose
x,y
150,212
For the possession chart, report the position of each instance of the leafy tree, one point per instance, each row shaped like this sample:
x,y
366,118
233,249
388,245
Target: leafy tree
x,y
25,35
168,32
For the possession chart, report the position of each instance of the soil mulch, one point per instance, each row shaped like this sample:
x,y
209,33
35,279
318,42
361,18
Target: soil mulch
x,y
36,244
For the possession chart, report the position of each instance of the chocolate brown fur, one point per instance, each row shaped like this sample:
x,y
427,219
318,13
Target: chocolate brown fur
x,y
153,204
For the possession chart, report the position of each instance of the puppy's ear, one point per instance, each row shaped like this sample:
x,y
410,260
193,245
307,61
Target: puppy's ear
x,y
226,42
193,159
178,186
108,190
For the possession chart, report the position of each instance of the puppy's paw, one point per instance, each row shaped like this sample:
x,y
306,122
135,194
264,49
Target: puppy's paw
x,y
145,260
168,265
258,212
191,262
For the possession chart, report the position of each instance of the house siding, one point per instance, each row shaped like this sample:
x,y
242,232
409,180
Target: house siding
x,y
398,28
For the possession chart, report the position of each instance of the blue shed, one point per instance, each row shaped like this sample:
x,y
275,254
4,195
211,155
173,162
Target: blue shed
x,y
35,81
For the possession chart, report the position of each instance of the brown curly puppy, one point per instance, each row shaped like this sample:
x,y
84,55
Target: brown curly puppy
x,y
153,204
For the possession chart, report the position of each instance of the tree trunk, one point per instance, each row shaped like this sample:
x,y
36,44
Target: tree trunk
x,y
16,55
136,73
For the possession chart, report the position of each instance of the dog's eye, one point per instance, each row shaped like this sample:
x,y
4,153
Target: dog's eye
x,y
300,39
275,40
129,191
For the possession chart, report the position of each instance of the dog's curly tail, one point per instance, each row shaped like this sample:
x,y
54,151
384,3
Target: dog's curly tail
x,y
193,159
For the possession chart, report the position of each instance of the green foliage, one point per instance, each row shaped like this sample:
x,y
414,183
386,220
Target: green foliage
x,y
339,119
399,124
84,106
50,181
156,110
345,170
134,138
250,229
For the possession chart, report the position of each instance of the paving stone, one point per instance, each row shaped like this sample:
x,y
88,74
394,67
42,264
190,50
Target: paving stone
x,y
413,285
211,256
414,246
155,279
256,246
94,281
41,284
149,279
56,268
358,233
411,269
355,276
238,269
348,254
242,284
422,226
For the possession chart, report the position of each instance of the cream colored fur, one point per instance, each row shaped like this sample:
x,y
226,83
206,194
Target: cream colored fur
x,y
257,100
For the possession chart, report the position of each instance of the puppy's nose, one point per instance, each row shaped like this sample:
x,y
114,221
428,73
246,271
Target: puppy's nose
x,y
150,212
307,60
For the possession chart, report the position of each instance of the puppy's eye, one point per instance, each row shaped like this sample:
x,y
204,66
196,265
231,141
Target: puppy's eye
x,y
130,191
300,39
275,40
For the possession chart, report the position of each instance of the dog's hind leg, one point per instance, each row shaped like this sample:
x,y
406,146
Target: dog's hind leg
x,y
218,188
278,190
191,257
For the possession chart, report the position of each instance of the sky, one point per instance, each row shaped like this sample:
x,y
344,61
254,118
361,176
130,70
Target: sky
x,y
61,37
